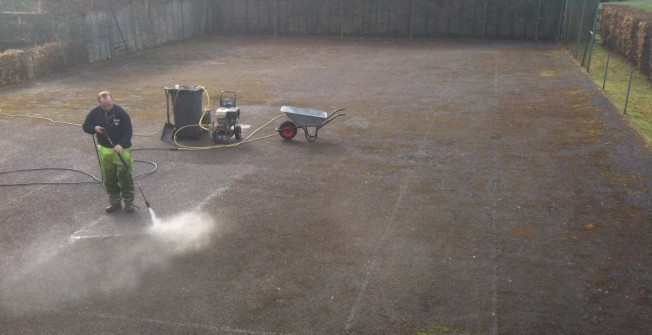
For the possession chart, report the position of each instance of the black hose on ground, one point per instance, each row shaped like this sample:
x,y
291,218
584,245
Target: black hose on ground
x,y
94,181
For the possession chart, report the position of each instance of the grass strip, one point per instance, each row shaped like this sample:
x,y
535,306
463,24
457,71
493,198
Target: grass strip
x,y
639,106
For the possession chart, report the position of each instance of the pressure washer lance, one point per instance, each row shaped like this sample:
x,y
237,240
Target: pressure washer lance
x,y
127,168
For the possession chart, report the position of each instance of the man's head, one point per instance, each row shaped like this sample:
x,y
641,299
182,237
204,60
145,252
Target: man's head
x,y
105,99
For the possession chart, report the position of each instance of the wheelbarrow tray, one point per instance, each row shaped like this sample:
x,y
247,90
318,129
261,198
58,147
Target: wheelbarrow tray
x,y
305,117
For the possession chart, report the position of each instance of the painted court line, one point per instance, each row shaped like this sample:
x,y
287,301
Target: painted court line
x,y
86,233
374,262
80,234
216,329
209,198
77,235
495,168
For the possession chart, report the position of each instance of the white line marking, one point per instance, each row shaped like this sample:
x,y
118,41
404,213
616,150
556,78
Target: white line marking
x,y
209,198
374,262
493,203
76,235
77,238
217,329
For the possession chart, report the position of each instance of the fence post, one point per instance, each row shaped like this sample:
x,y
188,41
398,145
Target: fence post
x,y
589,42
275,13
629,86
579,30
109,30
484,24
203,18
606,68
341,18
562,22
536,30
183,26
588,62
411,17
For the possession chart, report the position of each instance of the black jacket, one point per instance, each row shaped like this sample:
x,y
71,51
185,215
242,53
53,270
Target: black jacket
x,y
116,124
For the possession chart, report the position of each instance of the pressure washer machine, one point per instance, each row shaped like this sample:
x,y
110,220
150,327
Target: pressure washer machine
x,y
226,119
191,120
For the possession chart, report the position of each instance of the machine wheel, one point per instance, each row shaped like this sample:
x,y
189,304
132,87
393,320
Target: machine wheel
x,y
220,138
238,133
287,130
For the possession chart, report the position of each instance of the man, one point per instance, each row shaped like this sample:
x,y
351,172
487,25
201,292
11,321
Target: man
x,y
112,120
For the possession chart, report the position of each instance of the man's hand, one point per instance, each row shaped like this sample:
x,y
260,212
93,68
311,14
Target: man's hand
x,y
98,129
117,148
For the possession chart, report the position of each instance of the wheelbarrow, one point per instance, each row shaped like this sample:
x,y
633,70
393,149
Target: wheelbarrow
x,y
309,120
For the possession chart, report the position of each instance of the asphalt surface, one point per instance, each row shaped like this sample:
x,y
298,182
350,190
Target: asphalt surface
x,y
472,188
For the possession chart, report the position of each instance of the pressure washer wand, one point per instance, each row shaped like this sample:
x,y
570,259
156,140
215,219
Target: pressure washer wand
x,y
127,168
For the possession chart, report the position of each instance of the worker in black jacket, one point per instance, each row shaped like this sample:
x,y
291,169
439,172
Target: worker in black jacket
x,y
112,120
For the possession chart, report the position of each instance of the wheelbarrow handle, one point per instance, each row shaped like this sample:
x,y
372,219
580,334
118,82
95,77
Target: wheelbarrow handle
x,y
334,113
332,117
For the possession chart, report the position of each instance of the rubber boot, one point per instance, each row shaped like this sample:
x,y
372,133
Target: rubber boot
x,y
113,207
130,207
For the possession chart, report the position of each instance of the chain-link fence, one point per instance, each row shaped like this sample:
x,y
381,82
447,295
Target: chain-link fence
x,y
628,89
578,24
113,31
511,19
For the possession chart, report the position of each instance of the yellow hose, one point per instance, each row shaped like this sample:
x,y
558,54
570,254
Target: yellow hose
x,y
246,140
208,104
180,146
66,123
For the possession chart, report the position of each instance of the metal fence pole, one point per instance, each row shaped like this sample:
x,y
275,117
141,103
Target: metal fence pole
x,y
606,68
275,13
411,17
629,86
109,30
567,28
484,24
536,30
579,29
591,34
341,18
588,62
203,18
562,22
183,26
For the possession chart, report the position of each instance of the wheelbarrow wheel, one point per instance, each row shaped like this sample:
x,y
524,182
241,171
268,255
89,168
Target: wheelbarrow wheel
x,y
238,133
288,130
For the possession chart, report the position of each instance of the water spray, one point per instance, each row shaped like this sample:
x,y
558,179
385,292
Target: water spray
x,y
127,168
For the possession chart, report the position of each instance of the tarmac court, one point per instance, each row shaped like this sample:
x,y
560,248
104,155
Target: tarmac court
x,y
472,188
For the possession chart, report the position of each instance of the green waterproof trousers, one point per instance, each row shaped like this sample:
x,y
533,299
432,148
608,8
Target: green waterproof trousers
x,y
117,180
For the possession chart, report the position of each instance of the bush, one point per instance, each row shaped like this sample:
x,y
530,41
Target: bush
x,y
628,30
19,65
12,67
